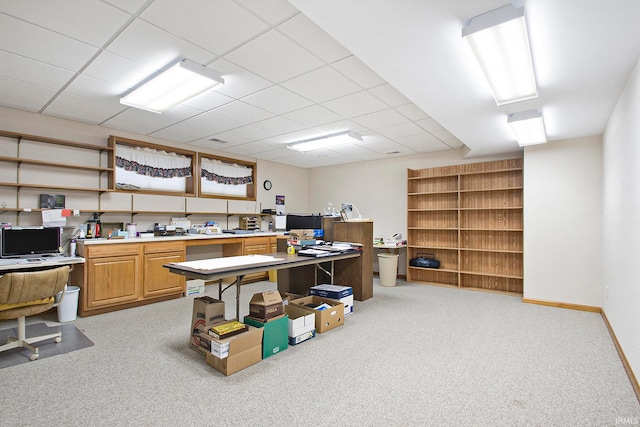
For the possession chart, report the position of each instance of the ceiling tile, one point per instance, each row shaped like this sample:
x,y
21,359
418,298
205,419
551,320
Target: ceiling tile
x,y
212,123
412,112
90,21
404,129
146,122
446,137
429,124
130,6
152,47
272,11
24,96
30,71
274,57
238,82
422,143
277,100
99,90
216,26
313,38
68,106
389,95
381,119
313,115
118,70
43,45
358,72
243,134
322,85
354,105
208,100
242,112
278,125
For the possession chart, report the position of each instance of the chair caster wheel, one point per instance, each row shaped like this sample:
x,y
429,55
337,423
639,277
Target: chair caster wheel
x,y
58,339
34,356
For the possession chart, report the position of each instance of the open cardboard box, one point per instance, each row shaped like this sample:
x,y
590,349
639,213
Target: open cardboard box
x,y
327,319
302,324
207,312
245,349
275,338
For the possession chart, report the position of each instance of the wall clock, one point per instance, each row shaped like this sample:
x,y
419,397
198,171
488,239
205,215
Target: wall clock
x,y
267,185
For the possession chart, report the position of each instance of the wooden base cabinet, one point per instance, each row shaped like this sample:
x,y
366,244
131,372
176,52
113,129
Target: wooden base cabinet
x,y
126,275
470,217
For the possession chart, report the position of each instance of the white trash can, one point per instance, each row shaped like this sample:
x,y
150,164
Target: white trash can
x,y
388,265
68,308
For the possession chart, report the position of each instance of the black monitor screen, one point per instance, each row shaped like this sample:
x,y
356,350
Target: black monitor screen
x,y
30,242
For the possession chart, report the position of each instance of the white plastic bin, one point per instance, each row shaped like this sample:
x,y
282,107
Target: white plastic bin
x,y
388,265
68,308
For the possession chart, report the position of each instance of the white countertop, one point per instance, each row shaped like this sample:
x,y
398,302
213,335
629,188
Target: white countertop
x,y
102,241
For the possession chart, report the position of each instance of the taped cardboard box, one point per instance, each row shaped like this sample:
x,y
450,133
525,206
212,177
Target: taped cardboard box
x,y
302,324
326,319
275,338
265,305
245,349
207,312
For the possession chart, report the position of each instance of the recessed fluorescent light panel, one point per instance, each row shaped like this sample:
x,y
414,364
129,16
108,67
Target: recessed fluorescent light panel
x,y
326,141
528,127
500,44
178,83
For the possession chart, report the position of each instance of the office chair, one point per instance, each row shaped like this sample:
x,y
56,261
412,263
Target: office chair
x,y
27,293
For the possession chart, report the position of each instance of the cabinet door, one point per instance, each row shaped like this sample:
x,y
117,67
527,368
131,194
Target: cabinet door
x,y
253,246
113,280
158,280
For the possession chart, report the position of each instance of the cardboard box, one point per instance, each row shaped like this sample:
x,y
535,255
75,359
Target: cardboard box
x,y
265,305
195,287
288,296
302,324
275,338
325,319
331,291
211,345
245,349
207,311
348,304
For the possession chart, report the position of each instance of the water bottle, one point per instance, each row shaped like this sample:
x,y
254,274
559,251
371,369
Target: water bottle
x,y
72,247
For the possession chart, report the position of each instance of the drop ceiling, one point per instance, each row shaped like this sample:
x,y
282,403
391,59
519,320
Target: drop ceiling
x,y
397,73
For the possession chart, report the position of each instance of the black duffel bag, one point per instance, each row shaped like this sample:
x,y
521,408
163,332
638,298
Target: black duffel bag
x,y
424,260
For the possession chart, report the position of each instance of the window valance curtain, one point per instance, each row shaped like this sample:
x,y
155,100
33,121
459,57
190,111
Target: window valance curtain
x,y
224,178
150,169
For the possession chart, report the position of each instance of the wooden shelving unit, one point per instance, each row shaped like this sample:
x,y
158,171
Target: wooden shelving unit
x,y
470,218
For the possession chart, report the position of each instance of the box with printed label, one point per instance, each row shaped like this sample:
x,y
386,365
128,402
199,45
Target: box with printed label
x,y
331,291
207,312
195,287
244,350
302,324
329,316
274,338
265,305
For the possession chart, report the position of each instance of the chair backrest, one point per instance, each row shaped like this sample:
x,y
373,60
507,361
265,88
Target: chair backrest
x,y
21,287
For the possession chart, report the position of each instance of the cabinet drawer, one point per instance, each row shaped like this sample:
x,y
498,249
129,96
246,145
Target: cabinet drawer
x,y
101,251
160,247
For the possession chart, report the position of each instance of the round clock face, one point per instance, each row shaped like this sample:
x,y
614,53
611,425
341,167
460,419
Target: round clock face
x,y
267,185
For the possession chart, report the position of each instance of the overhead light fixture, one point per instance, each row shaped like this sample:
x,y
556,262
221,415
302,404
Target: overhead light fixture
x,y
181,81
528,127
500,43
326,141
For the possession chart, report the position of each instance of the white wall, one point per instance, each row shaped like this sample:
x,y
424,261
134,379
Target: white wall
x,y
562,222
621,231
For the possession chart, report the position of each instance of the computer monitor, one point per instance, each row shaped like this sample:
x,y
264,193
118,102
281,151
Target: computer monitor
x,y
30,242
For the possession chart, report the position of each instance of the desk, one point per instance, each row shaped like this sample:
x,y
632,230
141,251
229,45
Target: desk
x,y
239,266
8,265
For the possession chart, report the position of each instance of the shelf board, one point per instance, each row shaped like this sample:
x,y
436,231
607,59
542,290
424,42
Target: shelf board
x,y
478,273
436,270
440,248
434,210
54,164
506,251
432,193
492,229
54,187
490,190
433,177
35,138
433,228
493,208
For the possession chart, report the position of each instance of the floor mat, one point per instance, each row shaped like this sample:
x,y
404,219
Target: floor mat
x,y
72,339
